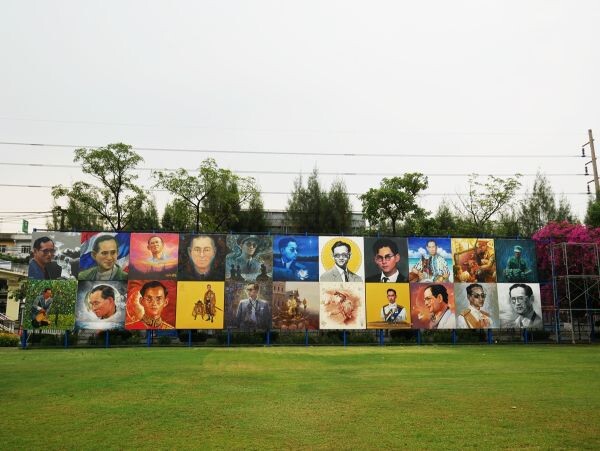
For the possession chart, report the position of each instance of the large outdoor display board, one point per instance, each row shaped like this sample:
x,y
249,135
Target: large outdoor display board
x,y
141,281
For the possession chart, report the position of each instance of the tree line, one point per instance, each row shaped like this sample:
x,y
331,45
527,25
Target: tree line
x,y
213,199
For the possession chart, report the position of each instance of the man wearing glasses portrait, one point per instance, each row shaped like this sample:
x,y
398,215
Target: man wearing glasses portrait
x,y
41,266
474,317
387,258
341,253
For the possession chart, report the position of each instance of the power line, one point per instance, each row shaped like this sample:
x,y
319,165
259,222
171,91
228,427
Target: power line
x,y
365,174
276,192
278,153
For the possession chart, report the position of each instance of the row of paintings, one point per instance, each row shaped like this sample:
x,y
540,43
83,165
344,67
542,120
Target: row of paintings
x,y
93,256
290,305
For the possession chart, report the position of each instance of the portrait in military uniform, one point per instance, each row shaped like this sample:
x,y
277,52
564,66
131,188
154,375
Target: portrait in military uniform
x,y
516,261
476,306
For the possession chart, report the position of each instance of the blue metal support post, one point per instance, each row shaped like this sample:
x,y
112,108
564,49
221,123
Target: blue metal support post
x,y
189,338
490,336
454,337
344,338
24,339
418,336
268,337
66,338
106,339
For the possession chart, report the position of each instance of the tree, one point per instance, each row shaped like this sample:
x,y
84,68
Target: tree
x,y
76,216
337,205
252,218
145,219
592,216
394,200
311,209
214,195
486,199
178,216
539,207
118,197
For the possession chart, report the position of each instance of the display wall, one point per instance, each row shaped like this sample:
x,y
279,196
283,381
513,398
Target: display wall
x,y
100,281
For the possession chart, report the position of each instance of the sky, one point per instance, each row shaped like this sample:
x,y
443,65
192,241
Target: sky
x,y
360,90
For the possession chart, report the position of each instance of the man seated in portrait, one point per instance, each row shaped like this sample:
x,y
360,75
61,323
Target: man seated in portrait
x,y
432,267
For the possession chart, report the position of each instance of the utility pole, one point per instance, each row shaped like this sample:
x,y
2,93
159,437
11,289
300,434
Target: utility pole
x,y
594,167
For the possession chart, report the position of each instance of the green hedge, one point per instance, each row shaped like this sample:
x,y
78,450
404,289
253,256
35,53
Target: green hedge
x,y
8,340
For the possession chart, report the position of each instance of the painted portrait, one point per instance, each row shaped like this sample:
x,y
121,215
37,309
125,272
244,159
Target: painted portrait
x,y
104,256
520,306
54,255
342,305
474,260
250,258
202,257
430,260
385,260
476,306
151,305
100,305
433,306
200,305
50,304
296,258
248,305
154,256
516,261
341,259
388,306
295,305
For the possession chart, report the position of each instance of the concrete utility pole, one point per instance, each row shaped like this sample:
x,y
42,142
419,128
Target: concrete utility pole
x,y
594,167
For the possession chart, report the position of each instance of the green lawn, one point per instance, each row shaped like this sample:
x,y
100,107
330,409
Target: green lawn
x,y
298,398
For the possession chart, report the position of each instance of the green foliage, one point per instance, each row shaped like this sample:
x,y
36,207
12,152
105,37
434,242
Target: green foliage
x,y
311,209
484,200
214,195
178,216
8,340
117,198
394,201
163,340
592,216
538,208
252,218
62,310
145,219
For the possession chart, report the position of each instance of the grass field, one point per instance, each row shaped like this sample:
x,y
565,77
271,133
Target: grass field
x,y
302,398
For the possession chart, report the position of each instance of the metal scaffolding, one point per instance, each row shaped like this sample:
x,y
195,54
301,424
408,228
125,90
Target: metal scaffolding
x,y
576,290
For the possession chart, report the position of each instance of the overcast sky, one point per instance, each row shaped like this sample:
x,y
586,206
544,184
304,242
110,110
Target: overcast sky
x,y
361,89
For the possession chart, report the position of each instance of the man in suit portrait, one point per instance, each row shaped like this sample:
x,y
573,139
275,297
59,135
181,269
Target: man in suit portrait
x,y
386,257
521,301
341,253
252,312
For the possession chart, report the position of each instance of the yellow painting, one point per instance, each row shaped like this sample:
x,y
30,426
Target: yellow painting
x,y
388,305
200,305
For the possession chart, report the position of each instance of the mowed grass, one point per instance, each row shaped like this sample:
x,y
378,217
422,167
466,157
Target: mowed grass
x,y
297,398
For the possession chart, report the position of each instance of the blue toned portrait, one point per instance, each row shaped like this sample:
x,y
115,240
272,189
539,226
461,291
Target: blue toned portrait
x,y
430,260
296,258
516,261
